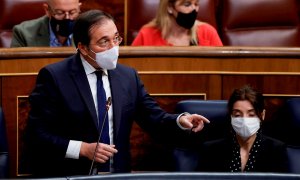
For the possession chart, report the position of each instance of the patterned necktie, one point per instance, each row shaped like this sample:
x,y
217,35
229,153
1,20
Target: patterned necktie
x,y
101,98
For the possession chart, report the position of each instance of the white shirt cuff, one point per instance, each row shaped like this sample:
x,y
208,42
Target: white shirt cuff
x,y
73,149
177,121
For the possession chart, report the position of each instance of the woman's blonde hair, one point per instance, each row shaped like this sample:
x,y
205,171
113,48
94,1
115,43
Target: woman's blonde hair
x,y
163,20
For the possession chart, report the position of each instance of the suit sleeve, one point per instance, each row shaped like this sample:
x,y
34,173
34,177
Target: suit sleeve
x,y
45,116
18,39
152,118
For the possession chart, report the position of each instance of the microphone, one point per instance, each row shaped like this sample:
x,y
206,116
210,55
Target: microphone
x,y
108,104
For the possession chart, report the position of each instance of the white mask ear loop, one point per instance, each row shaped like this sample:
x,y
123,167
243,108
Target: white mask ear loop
x,y
78,50
90,56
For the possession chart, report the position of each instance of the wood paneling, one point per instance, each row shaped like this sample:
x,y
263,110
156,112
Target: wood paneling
x,y
12,88
114,7
170,74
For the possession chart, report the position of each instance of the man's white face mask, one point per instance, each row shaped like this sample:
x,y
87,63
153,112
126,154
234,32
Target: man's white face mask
x,y
107,59
245,127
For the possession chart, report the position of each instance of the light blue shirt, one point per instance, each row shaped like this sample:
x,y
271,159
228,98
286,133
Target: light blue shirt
x,y
54,41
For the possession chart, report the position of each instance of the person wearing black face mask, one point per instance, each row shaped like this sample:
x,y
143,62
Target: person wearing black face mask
x,y
54,29
176,24
186,20
62,27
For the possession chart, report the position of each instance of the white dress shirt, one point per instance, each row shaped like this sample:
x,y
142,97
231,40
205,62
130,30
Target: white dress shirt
x,y
74,146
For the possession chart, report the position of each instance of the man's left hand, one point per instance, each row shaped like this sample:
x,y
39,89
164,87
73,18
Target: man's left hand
x,y
195,122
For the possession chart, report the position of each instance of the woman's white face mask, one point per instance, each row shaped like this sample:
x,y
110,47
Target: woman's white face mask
x,y
245,126
107,59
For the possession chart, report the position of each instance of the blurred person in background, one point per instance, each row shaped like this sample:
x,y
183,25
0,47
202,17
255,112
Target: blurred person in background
x,y
54,29
175,24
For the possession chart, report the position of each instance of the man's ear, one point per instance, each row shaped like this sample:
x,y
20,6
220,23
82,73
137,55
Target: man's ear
x,y
263,114
46,9
82,48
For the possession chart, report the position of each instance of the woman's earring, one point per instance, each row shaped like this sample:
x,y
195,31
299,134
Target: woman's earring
x,y
170,11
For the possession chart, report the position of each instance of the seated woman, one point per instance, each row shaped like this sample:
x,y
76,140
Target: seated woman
x,y
245,149
175,25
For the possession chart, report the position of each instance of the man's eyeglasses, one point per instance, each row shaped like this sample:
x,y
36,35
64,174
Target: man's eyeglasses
x,y
60,14
105,43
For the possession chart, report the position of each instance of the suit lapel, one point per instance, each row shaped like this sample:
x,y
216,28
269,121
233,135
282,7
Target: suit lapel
x,y
80,79
43,37
116,90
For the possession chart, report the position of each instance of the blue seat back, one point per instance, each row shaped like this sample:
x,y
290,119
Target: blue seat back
x,y
214,110
3,148
292,133
186,159
293,153
293,121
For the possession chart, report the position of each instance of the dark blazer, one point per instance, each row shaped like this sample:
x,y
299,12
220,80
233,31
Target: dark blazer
x,y
216,155
62,109
31,33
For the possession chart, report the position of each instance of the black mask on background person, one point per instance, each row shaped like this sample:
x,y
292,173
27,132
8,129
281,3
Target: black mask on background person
x,y
186,20
62,27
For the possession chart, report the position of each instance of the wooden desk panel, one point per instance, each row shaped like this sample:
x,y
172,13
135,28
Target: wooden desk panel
x,y
170,74
14,87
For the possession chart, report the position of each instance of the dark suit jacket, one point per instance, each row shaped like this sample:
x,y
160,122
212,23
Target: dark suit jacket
x,y
31,33
62,109
216,155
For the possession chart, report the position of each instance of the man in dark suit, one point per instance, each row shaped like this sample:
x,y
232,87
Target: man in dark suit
x,y
63,125
53,29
